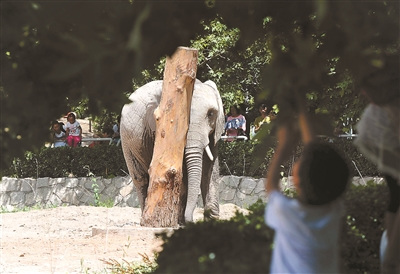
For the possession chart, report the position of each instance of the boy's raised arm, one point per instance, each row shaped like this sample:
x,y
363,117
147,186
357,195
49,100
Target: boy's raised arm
x,y
286,142
307,134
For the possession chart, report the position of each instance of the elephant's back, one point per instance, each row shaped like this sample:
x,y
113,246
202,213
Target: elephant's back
x,y
138,114
151,91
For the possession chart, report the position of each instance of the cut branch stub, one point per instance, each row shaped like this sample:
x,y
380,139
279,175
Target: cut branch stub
x,y
164,206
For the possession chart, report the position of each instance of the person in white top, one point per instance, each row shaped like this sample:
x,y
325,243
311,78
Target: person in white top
x,y
116,136
307,229
73,130
379,140
59,134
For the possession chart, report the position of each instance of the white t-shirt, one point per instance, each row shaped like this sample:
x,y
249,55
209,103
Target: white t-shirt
x,y
379,137
306,237
74,129
57,139
116,128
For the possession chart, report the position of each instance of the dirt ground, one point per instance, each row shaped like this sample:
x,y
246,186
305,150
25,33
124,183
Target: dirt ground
x,y
77,239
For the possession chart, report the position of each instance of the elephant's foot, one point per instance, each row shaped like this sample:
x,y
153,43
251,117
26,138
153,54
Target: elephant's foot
x,y
141,190
211,213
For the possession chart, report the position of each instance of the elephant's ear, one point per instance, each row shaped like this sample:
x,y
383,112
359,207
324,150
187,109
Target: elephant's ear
x,y
220,122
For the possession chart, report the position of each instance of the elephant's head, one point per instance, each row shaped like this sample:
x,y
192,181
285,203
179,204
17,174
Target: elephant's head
x,y
205,129
206,117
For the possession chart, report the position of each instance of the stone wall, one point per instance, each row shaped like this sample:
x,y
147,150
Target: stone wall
x,y
119,191
67,191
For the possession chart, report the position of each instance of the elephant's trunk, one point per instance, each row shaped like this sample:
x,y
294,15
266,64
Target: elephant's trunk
x,y
194,163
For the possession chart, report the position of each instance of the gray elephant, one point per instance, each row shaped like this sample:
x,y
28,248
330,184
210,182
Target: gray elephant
x,y
206,126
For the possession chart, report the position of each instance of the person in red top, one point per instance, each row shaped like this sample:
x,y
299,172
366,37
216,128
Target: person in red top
x,y
73,130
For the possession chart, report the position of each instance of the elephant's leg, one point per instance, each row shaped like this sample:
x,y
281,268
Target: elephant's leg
x,y
209,188
139,177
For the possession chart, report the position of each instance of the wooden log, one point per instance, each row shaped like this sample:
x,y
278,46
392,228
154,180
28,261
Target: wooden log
x,y
166,197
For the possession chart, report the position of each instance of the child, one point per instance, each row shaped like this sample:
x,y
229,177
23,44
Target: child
x,y
306,229
107,133
73,130
59,134
116,136
263,118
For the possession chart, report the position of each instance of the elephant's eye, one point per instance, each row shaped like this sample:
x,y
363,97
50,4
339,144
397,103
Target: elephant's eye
x,y
210,113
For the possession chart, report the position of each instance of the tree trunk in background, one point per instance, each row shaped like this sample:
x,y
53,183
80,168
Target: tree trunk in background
x,y
165,201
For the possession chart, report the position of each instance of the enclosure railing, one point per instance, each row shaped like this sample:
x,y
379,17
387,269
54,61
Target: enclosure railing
x,y
244,138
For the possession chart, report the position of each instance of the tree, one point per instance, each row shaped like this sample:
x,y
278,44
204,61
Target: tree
x,y
166,193
57,50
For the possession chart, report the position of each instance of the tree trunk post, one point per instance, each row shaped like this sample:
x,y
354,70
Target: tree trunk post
x,y
166,197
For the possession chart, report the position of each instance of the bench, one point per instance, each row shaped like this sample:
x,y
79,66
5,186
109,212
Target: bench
x,y
244,138
109,140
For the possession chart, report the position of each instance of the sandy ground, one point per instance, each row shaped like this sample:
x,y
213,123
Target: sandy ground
x,y
77,239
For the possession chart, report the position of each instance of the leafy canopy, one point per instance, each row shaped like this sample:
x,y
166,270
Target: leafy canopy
x,y
57,53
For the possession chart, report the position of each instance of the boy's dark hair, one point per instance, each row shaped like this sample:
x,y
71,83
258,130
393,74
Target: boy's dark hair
x,y
323,173
61,124
108,131
263,106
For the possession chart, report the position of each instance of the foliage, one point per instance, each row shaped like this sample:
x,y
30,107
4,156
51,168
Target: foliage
x,y
58,54
101,160
116,267
98,201
238,245
252,159
105,121
365,208
219,61
95,188
235,158
317,54
243,244
360,165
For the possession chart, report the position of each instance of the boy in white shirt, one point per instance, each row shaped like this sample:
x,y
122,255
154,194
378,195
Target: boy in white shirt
x,y
307,228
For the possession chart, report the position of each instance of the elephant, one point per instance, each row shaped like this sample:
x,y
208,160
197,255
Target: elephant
x,y
206,125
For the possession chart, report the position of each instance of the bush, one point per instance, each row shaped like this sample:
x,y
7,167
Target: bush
x,y
365,209
239,245
101,160
243,244
249,159
235,158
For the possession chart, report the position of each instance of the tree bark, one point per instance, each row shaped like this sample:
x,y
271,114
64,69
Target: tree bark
x,y
166,198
